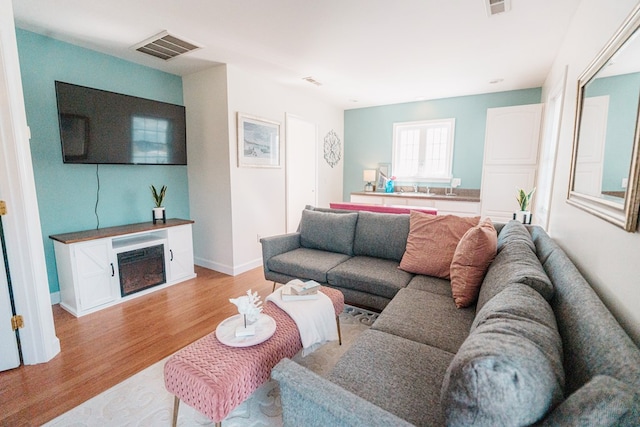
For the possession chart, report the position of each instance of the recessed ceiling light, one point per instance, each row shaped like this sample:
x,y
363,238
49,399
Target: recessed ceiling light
x,y
312,81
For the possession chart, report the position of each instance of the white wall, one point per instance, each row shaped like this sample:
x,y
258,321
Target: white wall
x,y
231,206
205,97
258,195
605,254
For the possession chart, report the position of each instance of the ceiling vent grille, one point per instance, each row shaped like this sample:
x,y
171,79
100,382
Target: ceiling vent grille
x,y
494,7
165,46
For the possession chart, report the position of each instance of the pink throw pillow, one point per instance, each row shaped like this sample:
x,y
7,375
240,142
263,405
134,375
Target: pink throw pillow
x,y
432,241
475,252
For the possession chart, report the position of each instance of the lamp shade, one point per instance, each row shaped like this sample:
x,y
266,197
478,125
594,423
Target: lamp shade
x,y
369,175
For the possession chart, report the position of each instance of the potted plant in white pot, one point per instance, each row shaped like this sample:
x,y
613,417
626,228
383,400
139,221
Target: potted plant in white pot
x,y
158,198
524,199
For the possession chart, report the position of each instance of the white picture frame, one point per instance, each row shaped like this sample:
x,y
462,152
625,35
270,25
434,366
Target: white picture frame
x,y
258,142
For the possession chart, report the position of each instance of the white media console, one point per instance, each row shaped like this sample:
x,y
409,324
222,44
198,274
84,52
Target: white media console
x,y
103,267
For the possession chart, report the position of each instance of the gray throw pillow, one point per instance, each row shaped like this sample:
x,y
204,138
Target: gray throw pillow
x,y
326,231
603,401
509,369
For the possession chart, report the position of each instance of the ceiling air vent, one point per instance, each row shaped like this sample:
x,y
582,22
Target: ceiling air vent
x,y
165,46
495,7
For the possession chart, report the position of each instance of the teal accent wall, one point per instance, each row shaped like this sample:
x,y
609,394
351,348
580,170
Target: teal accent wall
x,y
368,132
624,93
67,193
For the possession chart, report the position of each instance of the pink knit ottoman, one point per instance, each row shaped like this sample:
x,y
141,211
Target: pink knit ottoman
x,y
214,378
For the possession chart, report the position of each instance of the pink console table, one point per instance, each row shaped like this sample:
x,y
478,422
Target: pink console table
x,y
394,209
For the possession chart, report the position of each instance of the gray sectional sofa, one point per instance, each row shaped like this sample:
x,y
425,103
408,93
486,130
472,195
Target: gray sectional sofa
x,y
538,347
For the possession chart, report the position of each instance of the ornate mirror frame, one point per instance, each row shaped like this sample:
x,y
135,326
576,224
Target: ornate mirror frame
x,y
621,211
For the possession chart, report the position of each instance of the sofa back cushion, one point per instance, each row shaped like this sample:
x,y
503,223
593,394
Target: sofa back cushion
x,y
514,231
516,262
472,258
603,401
432,241
381,235
594,342
327,231
509,369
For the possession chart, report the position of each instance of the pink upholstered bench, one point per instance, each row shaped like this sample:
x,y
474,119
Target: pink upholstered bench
x,y
214,378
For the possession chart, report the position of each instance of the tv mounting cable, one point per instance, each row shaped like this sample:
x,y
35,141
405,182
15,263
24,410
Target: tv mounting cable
x,y
95,210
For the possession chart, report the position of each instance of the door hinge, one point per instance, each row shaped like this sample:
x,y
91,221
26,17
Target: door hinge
x,y
17,322
3,207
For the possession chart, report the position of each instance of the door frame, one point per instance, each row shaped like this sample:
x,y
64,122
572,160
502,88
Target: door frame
x,y
23,233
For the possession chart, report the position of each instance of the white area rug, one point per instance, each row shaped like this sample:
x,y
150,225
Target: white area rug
x,y
142,400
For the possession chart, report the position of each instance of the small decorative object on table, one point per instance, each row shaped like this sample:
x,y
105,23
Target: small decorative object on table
x,y
524,199
158,197
249,306
389,187
297,290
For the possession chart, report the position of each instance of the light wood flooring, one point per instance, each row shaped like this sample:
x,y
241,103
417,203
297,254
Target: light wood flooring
x,y
102,349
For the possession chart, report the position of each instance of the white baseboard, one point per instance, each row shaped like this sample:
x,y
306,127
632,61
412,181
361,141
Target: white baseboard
x,y
227,269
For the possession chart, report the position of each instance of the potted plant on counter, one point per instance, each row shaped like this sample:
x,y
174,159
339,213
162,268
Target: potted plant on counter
x,y
158,197
524,199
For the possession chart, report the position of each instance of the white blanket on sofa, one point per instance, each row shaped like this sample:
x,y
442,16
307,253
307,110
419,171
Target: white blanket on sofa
x,y
315,319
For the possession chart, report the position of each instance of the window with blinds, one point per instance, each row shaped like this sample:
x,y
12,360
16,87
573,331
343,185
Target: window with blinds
x,y
423,151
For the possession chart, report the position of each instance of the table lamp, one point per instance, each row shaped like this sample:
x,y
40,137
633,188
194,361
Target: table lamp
x,y
369,176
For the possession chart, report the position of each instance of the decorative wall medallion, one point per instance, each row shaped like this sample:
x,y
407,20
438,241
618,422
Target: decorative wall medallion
x,y
332,148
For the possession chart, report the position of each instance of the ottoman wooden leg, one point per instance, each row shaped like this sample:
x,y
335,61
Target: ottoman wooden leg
x,y
176,406
339,332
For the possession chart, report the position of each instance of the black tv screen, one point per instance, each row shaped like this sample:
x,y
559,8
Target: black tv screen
x,y
101,127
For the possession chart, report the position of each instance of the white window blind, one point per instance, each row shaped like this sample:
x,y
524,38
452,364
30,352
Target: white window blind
x,y
423,150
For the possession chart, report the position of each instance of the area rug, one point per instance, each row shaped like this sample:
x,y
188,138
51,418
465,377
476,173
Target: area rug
x,y
142,400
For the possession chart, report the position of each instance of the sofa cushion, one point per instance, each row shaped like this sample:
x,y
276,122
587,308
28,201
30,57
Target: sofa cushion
x,y
398,375
426,318
603,401
509,370
472,257
328,231
373,275
515,231
432,241
515,263
435,285
304,263
381,235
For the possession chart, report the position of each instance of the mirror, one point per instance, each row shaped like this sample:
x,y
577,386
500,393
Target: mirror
x,y
604,168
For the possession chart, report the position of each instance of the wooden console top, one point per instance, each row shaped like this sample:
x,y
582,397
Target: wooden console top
x,y
100,233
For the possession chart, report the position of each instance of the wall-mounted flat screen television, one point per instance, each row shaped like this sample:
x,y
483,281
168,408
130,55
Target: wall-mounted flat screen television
x,y
101,127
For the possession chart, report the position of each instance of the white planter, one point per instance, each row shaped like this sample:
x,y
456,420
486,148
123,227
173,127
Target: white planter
x,y
159,214
522,216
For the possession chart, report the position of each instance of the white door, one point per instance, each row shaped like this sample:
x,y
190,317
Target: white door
x,y
180,252
9,355
95,272
590,158
301,137
510,158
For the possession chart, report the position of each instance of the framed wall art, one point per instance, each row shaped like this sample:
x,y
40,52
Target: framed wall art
x,y
258,142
